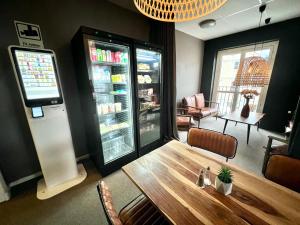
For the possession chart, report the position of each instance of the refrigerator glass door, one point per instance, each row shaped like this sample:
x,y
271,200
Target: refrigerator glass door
x,y
111,80
148,77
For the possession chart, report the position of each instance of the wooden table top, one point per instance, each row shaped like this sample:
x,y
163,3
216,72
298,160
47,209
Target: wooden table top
x,y
167,176
236,116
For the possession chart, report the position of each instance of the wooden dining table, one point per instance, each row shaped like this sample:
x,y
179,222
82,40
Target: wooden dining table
x,y
168,175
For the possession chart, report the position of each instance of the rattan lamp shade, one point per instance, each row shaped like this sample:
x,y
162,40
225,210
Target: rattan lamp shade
x,y
253,71
177,10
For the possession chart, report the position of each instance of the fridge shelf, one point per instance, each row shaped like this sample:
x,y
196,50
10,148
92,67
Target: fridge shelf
x,y
147,71
107,129
112,113
119,83
109,64
149,84
113,153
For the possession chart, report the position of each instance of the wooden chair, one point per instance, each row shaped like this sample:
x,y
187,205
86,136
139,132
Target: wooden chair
x,y
284,170
213,141
140,211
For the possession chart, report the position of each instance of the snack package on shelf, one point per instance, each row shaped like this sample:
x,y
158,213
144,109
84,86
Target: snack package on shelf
x,y
118,106
141,79
118,78
111,108
143,66
150,91
148,79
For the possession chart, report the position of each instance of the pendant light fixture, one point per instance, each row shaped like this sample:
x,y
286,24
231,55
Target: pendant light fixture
x,y
177,10
253,72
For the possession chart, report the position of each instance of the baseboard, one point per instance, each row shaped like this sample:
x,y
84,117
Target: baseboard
x,y
39,174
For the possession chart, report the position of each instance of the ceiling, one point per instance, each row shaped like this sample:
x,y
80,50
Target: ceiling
x,y
234,16
240,15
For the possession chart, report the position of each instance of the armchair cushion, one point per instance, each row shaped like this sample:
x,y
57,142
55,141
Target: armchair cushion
x,y
184,121
189,101
284,170
200,101
194,113
211,110
205,112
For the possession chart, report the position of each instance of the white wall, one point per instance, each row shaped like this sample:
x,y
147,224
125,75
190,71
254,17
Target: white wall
x,y
189,58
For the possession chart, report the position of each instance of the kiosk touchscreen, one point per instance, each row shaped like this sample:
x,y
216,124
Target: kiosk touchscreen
x,y
38,81
36,70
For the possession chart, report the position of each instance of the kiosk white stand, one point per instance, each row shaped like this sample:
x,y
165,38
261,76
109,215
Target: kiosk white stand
x,y
4,190
38,80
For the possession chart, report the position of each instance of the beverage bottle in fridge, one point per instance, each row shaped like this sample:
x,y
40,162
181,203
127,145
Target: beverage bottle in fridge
x,y
104,56
93,52
99,55
125,57
113,57
117,56
122,57
108,55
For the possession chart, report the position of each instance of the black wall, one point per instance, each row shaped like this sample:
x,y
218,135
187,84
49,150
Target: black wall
x,y
284,87
59,21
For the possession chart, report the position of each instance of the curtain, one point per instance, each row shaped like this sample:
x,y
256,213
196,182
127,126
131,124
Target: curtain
x,y
163,34
294,143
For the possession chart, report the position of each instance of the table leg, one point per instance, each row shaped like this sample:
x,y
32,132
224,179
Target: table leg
x,y
258,126
226,121
248,133
235,123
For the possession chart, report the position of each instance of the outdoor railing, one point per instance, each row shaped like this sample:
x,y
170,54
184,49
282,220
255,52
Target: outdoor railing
x,y
230,99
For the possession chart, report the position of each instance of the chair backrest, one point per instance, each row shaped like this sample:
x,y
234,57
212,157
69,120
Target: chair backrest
x,y
189,101
200,101
106,200
213,141
284,170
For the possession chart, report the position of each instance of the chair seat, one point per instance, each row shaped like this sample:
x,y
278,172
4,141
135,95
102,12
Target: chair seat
x,y
279,150
141,212
183,121
194,112
211,110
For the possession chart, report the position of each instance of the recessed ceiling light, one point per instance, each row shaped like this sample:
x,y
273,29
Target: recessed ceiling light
x,y
207,23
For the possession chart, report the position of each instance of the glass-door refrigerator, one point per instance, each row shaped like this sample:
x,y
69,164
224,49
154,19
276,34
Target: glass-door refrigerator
x,y
148,71
106,88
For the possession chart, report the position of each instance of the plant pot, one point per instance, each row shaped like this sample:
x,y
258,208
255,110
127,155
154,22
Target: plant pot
x,y
246,109
223,188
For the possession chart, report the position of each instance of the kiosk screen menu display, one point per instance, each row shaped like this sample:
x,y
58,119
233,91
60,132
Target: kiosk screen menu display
x,y
37,76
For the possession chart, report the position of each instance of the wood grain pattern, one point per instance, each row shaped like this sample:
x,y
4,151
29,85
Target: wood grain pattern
x,y
167,177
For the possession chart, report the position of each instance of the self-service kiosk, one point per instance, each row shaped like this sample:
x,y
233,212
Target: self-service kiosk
x,y
38,80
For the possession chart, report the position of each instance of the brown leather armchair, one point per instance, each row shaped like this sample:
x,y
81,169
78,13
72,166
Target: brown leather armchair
x,y
274,150
284,170
196,108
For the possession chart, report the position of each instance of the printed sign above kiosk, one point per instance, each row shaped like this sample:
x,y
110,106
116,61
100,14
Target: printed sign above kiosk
x,y
37,74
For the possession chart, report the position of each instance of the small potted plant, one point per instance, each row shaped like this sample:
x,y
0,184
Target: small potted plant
x,y
223,181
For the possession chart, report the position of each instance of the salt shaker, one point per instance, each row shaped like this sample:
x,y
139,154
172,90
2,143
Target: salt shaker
x,y
207,180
